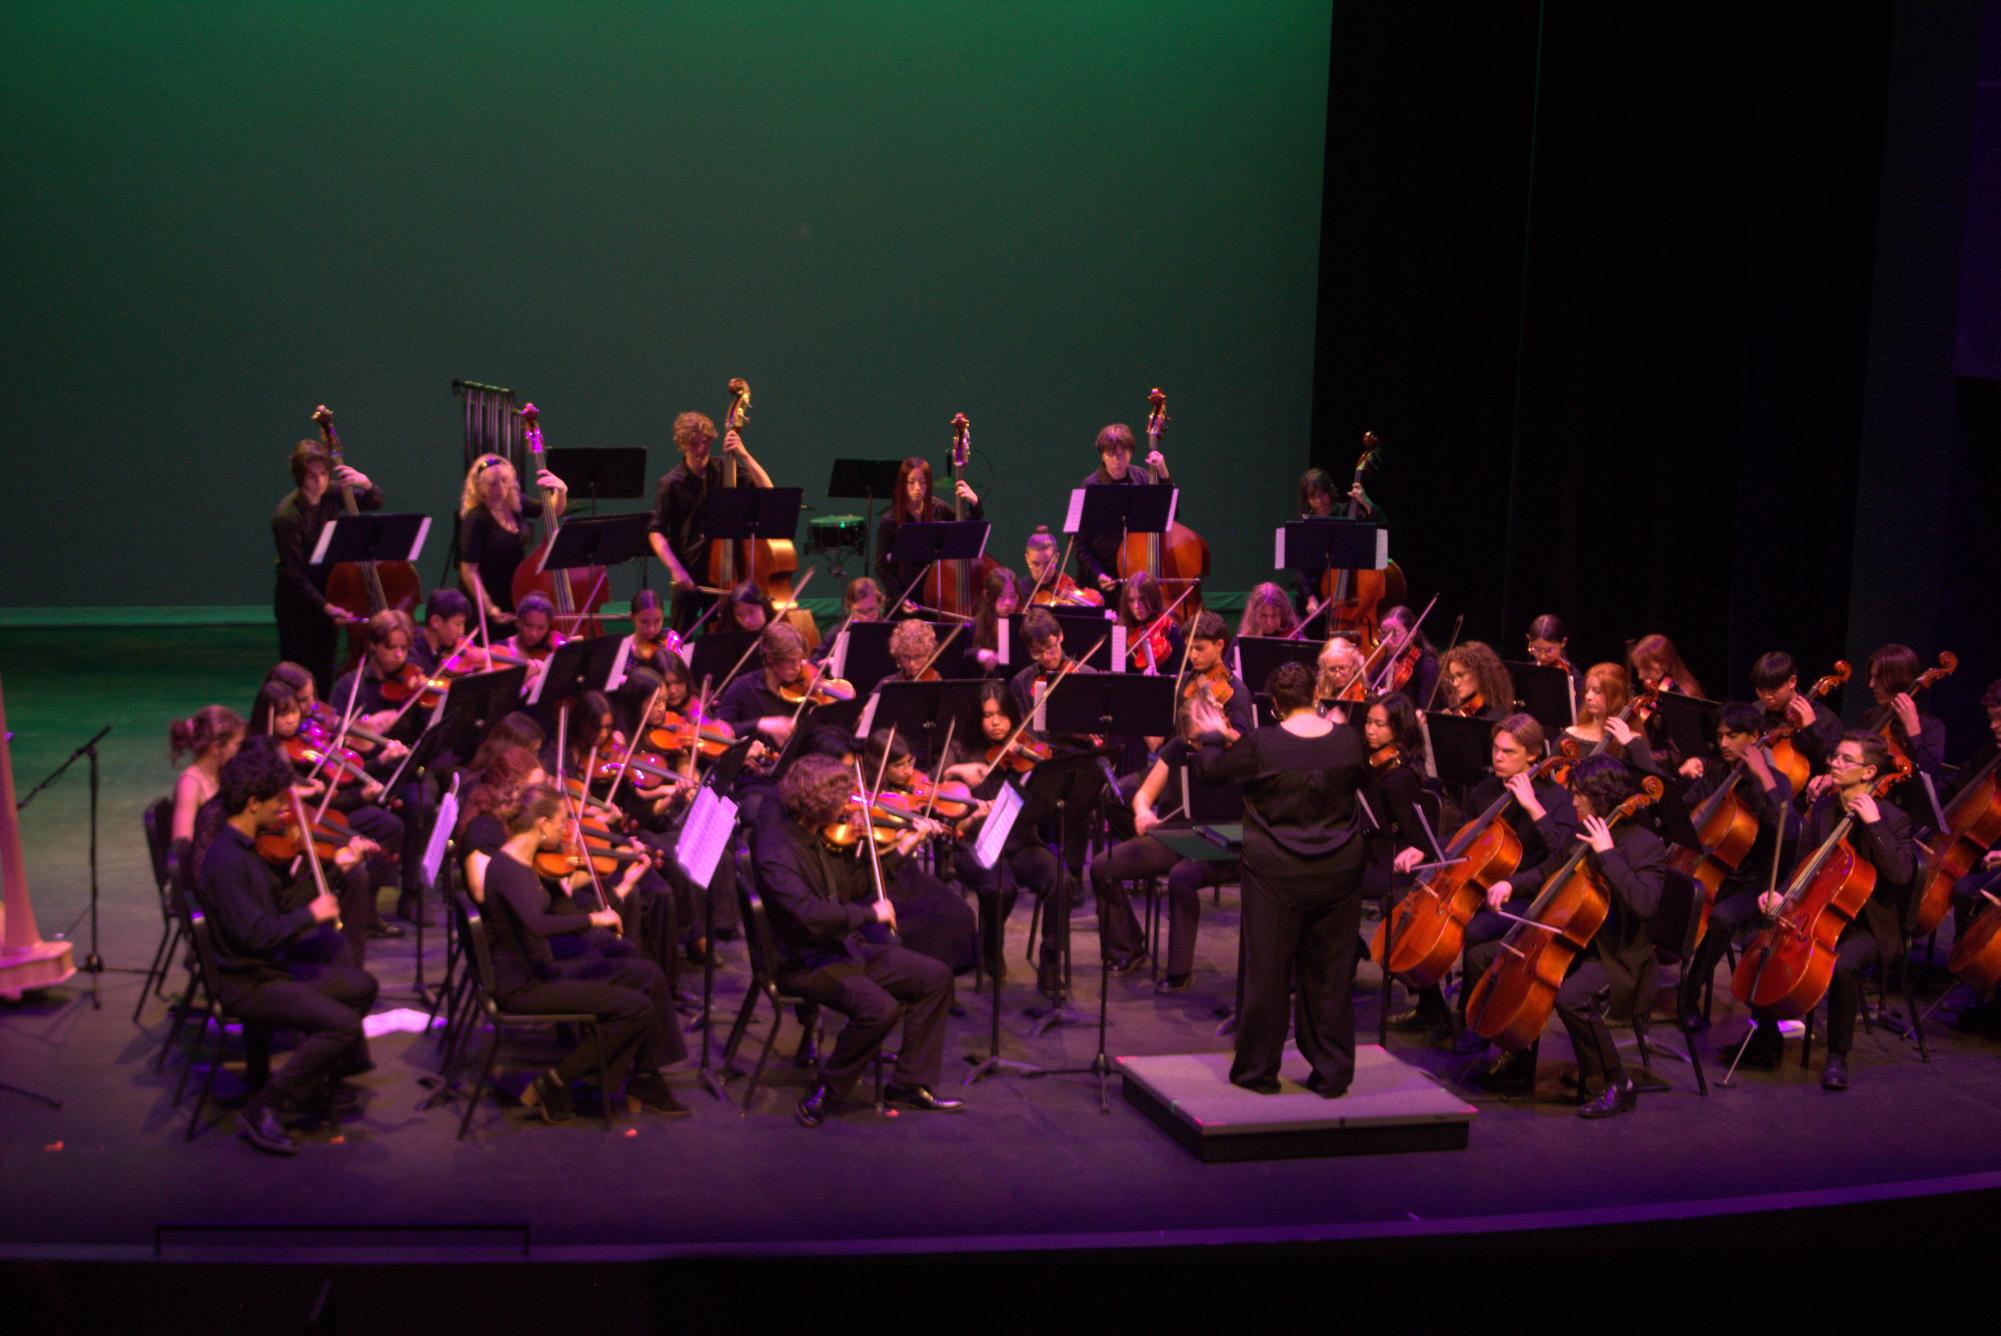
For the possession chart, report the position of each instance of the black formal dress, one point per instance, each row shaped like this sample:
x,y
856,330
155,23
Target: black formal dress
x,y
1302,873
495,553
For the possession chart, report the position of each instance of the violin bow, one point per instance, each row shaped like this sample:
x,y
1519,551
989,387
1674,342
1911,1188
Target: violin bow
x,y
940,650
938,771
632,746
868,826
1438,681
1383,673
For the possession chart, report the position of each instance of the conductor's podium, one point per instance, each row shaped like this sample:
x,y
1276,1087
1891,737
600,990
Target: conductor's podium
x,y
1391,1106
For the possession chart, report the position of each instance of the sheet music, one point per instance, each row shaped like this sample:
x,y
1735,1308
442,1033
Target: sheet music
x,y
1382,548
1073,516
837,661
1173,501
1118,647
441,830
1001,644
867,720
616,679
423,532
704,835
319,556
1278,562
993,835
1037,718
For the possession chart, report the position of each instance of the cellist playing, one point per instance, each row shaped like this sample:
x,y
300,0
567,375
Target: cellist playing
x,y
1881,836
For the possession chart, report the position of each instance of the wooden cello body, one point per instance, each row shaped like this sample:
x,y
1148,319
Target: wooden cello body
x,y
1786,758
1728,828
1973,825
1976,953
1177,559
576,593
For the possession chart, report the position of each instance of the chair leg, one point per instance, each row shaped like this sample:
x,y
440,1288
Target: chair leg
x,y
155,972
604,1073
1695,1061
742,1022
764,1054
1911,1005
1806,1043
174,1031
208,1082
479,1087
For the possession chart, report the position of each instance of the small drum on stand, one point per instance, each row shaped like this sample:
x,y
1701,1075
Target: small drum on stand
x,y
836,536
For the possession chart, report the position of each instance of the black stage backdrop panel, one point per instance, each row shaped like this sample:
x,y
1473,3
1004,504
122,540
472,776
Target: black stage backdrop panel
x,y
1605,291
879,214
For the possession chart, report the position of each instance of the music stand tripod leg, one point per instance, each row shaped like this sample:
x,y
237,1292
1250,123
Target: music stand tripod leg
x,y
993,1061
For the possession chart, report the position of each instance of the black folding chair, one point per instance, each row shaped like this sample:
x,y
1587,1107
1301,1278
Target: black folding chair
x,y
256,1036
479,960
158,820
1672,931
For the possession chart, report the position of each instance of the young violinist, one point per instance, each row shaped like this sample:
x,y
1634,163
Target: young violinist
x,y
1630,862
1549,646
1414,663
1911,729
1047,583
1153,640
308,625
1302,873
911,645
1267,612
279,960
679,534
930,918
1144,856
494,531
1001,596
756,700
446,615
208,738
1046,661
1098,554
1026,857
819,900
1775,679
389,636
628,994
1657,665
1880,836
535,634
1338,681
1477,684
1397,838
913,503
649,645
1542,817
861,601
748,609
1769,795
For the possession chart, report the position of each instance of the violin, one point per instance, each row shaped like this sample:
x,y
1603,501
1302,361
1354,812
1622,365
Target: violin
x,y
536,653
654,767
343,767
1788,966
1021,755
676,733
1355,598
331,834
323,721
1511,1003
1786,758
819,688
362,588
949,800
647,652
576,593
1179,558
1066,592
1214,683
1403,666
1430,923
411,681
1470,708
582,848
1382,758
887,818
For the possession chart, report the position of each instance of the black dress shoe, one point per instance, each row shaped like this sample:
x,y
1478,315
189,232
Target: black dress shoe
x,y
1121,968
808,1054
549,1099
1834,1076
653,1094
261,1128
1510,1073
1694,1021
1762,1052
382,930
1417,1018
1174,983
1618,1098
919,1097
1319,1086
812,1110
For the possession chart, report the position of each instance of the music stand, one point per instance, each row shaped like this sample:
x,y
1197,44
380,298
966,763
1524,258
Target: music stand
x,y
1324,543
373,535
716,652
472,705
1689,723
870,480
1115,705
1258,657
867,660
1081,629
1458,752
577,666
599,473
1140,508
921,712
1544,693
735,513
929,543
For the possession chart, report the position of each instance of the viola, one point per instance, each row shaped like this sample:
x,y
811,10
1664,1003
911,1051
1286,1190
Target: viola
x,y
576,593
362,588
1430,922
1355,598
1788,966
331,834
1786,758
1972,825
1511,1003
1179,558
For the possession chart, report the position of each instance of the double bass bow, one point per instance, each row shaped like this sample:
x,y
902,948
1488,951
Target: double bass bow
x,y
576,593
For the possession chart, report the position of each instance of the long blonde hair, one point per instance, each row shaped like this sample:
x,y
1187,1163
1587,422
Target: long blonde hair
x,y
469,496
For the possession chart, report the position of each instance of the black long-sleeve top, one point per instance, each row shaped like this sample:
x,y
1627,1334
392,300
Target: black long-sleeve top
x,y
1540,839
1633,872
520,920
1098,554
238,891
1814,741
748,699
1423,677
893,576
817,900
679,516
1299,792
1777,823
494,552
1887,844
295,528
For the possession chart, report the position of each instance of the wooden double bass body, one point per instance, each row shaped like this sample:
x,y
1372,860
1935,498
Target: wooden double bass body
x,y
576,593
954,586
1356,599
363,588
1177,559
1973,826
769,563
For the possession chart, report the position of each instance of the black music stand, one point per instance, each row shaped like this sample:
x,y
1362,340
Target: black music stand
x,y
1689,723
1116,705
869,480
929,543
601,473
472,705
1458,751
735,513
867,661
597,540
373,535
921,712
1544,693
1321,544
1140,508
716,652
575,667
1081,629
1258,657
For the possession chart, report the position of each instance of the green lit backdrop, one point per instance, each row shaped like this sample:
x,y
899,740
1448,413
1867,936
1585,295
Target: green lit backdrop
x,y
879,214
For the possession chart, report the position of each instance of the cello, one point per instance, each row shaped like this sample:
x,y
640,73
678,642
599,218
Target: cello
x,y
1430,922
1883,719
576,593
1976,953
1972,825
1511,1003
1788,966
1355,598
1727,826
1179,558
362,588
1786,758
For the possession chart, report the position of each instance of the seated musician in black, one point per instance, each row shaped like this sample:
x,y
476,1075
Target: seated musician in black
x,y
819,901
754,700
1979,891
1629,862
931,917
1543,819
1881,835
1046,660
1397,839
1816,729
446,613
1768,794
1917,731
280,960
627,993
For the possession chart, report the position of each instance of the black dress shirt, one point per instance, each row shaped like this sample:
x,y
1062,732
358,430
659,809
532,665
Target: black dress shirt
x,y
295,528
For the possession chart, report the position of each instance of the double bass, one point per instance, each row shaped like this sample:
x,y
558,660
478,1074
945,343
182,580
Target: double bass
x,y
576,593
1788,966
1179,558
1511,1003
362,588
955,586
1355,599
768,563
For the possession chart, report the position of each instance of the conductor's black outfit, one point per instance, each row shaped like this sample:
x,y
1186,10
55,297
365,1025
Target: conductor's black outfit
x,y
818,902
306,635
1302,874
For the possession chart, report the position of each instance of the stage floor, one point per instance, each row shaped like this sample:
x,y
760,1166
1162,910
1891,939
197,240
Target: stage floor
x,y
1030,1164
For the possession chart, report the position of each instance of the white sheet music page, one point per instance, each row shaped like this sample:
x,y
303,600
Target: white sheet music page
x,y
1073,516
993,835
704,835
441,830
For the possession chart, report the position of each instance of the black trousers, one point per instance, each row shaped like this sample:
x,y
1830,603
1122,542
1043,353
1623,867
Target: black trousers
x,y
325,1002
630,998
688,609
309,638
1477,951
1734,913
356,894
1302,924
933,920
1852,954
1145,856
390,831
872,992
1032,866
1580,1005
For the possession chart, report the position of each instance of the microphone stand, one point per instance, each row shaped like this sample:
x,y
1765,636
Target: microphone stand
x,y
93,963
